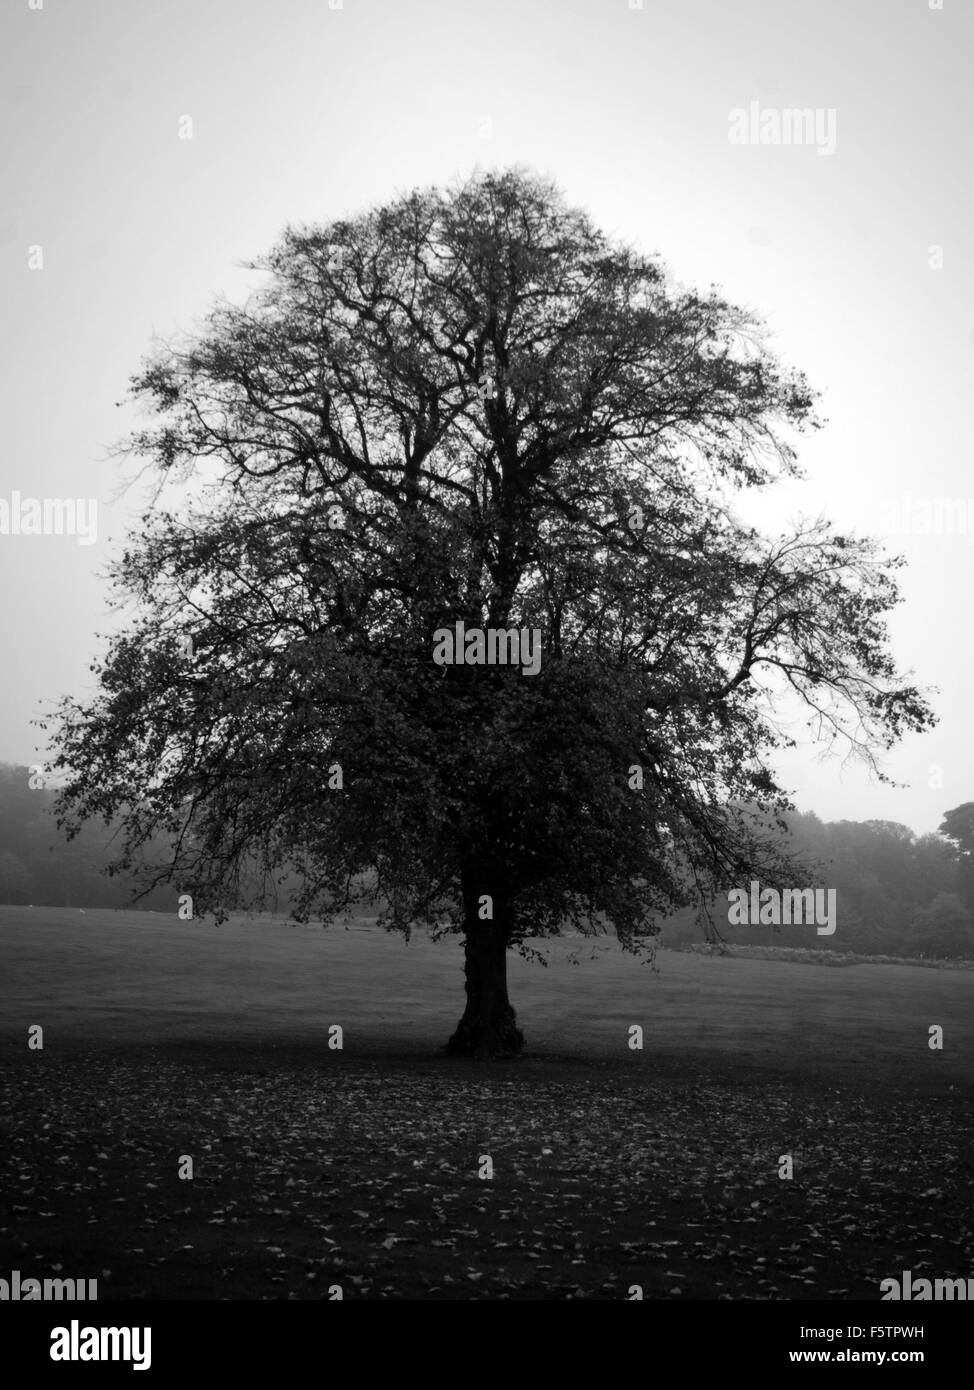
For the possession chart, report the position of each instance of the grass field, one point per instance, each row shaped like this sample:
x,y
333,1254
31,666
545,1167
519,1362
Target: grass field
x,y
611,1167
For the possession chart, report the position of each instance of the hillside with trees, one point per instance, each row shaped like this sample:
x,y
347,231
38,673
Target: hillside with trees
x,y
897,893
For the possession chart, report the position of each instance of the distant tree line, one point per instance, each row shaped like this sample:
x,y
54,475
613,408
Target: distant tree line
x,y
39,865
897,893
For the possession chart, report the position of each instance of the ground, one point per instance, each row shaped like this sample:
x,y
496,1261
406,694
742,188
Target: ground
x,y
612,1167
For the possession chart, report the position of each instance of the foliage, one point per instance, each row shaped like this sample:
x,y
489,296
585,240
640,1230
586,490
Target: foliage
x,y
472,406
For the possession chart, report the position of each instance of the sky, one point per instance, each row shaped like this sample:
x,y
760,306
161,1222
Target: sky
x,y
150,147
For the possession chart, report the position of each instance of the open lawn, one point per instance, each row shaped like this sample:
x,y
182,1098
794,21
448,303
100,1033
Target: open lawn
x,y
359,1167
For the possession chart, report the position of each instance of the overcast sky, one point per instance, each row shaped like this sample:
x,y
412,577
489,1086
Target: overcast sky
x,y
300,112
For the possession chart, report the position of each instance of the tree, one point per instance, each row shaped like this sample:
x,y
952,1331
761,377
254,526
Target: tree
x,y
470,407
944,928
958,826
15,881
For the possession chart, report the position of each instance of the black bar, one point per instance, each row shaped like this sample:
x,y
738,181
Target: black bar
x,y
261,1339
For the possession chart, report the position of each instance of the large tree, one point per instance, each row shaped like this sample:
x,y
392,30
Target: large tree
x,y
471,406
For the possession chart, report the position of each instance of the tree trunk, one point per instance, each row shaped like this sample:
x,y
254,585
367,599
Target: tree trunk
x,y
487,1028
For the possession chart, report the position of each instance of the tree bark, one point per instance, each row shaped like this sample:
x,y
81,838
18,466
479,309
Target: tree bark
x,y
488,1026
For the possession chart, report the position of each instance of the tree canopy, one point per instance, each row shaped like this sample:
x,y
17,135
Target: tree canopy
x,y
470,406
